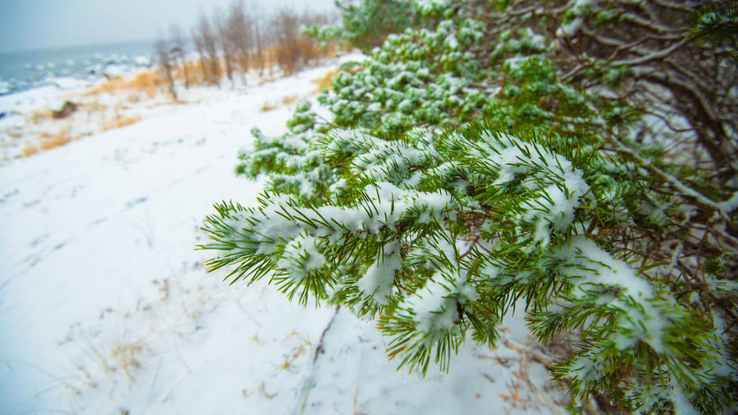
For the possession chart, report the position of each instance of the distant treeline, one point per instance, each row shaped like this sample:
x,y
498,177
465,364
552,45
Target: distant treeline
x,y
229,43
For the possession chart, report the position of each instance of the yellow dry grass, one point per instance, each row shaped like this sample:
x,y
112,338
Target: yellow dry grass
x,y
40,116
53,140
29,150
290,99
94,106
120,122
326,81
148,82
267,107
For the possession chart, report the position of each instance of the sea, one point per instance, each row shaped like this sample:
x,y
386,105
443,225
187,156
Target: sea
x,y
34,68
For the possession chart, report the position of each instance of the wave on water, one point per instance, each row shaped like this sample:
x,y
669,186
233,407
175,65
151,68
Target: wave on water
x,y
31,69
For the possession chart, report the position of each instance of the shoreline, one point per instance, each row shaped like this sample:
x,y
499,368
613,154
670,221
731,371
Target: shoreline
x,y
24,70
43,118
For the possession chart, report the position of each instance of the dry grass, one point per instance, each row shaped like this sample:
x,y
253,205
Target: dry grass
x,y
41,116
124,356
290,99
120,122
275,61
29,150
195,74
267,107
148,82
94,107
325,82
53,140
290,57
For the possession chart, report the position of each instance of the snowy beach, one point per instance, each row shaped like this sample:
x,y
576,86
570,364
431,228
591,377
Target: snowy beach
x,y
105,307
368,207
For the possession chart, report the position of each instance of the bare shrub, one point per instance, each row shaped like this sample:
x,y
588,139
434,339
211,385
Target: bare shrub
x,y
240,33
179,53
205,41
166,65
225,41
243,38
293,51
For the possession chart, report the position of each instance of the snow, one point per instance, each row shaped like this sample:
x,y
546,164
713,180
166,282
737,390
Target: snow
x,y
379,277
69,83
554,208
301,256
585,369
728,206
436,305
682,406
105,307
640,315
572,28
583,258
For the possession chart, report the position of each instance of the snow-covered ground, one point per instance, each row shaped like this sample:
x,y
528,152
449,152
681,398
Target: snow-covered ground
x,y
105,307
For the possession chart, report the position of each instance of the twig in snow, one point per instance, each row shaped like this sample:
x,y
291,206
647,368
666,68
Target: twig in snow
x,y
303,392
538,357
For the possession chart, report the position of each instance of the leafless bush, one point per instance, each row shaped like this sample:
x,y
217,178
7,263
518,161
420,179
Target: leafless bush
x,y
259,34
166,64
293,51
226,42
240,39
179,53
240,33
202,57
209,48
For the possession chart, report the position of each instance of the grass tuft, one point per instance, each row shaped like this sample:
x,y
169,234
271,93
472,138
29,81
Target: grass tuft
x,y
54,140
120,122
290,99
325,82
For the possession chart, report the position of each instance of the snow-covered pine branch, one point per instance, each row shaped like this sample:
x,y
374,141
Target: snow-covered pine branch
x,y
400,247
572,157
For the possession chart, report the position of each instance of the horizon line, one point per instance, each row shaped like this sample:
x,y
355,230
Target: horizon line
x,y
76,46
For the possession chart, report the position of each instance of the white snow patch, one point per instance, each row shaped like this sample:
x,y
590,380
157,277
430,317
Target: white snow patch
x,y
380,276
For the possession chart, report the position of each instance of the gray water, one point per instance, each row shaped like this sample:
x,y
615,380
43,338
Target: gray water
x,y
29,69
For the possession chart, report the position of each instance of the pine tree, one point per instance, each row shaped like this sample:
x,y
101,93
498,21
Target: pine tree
x,y
470,165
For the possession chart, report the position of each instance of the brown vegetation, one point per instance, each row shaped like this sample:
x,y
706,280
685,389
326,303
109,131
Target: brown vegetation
x,y
29,150
325,82
233,43
65,111
120,121
230,45
148,82
289,99
241,39
53,140
167,60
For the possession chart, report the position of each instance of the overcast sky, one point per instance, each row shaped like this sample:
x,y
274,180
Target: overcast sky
x,y
41,24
